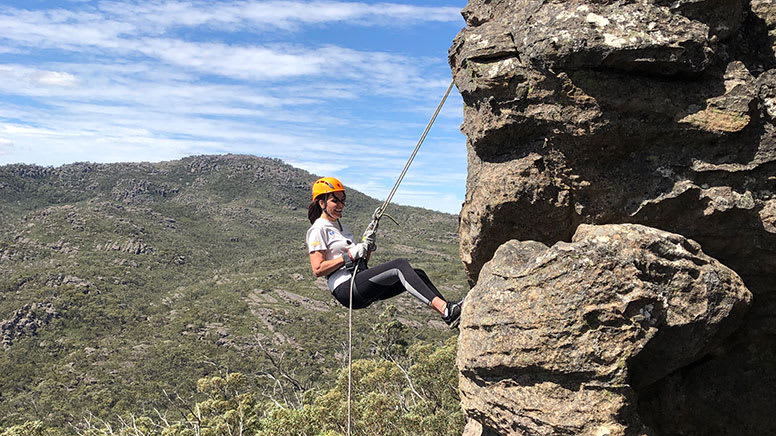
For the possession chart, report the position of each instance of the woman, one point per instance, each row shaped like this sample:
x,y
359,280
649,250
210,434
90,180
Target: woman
x,y
333,255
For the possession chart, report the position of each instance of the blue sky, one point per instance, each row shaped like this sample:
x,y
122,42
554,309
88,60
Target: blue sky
x,y
338,88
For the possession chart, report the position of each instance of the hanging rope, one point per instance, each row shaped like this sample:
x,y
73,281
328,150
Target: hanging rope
x,y
373,228
350,340
381,210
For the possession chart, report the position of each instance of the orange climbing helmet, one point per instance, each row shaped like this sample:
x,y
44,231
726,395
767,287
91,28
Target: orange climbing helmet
x,y
325,185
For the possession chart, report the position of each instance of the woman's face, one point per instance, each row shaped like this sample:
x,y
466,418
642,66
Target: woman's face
x,y
335,203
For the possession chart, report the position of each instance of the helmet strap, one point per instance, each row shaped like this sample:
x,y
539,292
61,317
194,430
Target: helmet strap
x,y
326,205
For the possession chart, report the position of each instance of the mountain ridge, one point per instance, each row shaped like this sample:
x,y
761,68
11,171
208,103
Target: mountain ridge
x,y
124,281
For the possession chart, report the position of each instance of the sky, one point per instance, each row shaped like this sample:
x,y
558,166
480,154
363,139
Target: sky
x,y
338,88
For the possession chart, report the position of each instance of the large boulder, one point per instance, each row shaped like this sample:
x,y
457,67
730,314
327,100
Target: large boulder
x,y
653,112
562,340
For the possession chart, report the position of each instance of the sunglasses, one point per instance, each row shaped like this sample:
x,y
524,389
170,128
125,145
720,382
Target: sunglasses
x,y
337,199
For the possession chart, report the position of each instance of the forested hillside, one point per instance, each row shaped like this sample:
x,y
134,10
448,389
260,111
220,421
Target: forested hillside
x,y
122,285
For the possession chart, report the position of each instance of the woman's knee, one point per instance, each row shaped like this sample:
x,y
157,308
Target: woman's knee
x,y
402,262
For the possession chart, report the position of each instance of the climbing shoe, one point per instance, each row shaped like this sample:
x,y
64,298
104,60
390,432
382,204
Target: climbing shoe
x,y
453,314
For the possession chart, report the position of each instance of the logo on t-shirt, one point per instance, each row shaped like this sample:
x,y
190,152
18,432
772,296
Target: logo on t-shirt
x,y
331,233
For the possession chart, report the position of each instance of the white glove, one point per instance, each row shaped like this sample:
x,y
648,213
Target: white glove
x,y
370,234
370,238
357,251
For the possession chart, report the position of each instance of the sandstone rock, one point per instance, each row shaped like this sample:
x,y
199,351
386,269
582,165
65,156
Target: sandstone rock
x,y
661,113
603,112
474,428
131,246
562,340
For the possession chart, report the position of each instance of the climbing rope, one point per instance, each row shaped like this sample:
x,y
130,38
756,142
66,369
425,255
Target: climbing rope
x,y
350,340
379,212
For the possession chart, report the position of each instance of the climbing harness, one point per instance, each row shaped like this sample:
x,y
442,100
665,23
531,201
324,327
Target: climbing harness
x,y
372,230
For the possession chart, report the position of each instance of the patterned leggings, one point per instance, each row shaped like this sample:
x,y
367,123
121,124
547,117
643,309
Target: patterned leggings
x,y
385,281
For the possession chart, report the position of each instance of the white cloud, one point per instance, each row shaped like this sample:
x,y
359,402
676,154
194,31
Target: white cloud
x,y
260,16
14,78
55,78
12,129
288,13
61,28
115,29
243,62
320,167
115,25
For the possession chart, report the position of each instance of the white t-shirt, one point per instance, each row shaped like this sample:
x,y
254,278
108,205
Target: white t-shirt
x,y
334,239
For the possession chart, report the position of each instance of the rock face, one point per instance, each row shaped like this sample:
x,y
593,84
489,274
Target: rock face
x,y
660,113
651,112
560,340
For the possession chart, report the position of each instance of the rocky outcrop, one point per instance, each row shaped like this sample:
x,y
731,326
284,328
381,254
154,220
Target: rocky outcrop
x,y
648,112
560,340
131,190
131,246
26,322
603,112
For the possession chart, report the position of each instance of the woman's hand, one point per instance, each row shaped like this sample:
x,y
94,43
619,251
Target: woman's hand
x,y
358,251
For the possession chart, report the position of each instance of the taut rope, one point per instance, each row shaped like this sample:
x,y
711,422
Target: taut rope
x,y
373,227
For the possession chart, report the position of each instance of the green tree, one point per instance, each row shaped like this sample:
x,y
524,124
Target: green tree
x,y
387,399
29,428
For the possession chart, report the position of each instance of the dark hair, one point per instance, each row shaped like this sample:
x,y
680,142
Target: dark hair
x,y
314,211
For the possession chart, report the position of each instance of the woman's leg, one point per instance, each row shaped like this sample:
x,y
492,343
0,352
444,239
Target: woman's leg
x,y
392,278
388,279
423,276
365,294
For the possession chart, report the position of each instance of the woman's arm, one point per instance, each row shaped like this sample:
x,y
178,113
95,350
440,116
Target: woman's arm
x,y
321,267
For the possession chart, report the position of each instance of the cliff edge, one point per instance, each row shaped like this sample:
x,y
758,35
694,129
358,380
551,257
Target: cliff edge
x,y
594,113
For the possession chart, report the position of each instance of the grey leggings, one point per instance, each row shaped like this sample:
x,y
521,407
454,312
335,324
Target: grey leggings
x,y
385,281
